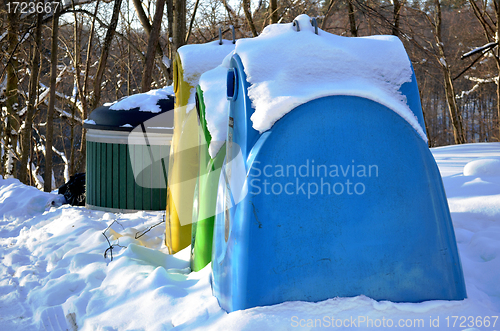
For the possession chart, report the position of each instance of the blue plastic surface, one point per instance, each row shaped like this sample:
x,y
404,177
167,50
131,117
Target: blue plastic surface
x,y
388,235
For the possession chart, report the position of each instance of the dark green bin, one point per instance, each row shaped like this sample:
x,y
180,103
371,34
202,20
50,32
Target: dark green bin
x,y
127,158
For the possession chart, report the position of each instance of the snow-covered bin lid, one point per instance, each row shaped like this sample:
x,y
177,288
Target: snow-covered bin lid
x,y
213,83
286,68
131,111
199,58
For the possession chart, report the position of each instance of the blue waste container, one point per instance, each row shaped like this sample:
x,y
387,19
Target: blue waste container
x,y
340,197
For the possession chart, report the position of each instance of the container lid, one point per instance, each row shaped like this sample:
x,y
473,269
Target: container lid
x,y
105,118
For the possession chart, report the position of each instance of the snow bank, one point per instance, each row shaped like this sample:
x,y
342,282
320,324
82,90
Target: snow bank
x,y
20,201
287,68
489,166
144,101
53,273
452,159
198,58
213,85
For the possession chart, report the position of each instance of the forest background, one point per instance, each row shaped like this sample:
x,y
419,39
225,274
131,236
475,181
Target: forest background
x,y
61,60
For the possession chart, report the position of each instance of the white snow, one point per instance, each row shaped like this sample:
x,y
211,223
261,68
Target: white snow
x,y
3,35
487,166
87,121
145,101
126,126
287,68
479,82
212,84
3,89
52,268
66,164
166,61
479,49
443,62
198,58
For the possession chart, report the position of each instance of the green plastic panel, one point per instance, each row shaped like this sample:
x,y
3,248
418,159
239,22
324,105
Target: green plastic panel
x,y
110,178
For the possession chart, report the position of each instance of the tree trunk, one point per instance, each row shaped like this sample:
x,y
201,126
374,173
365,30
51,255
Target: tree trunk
x,y
352,19
192,20
143,18
248,16
273,11
148,28
397,11
230,12
72,143
104,55
491,31
77,39
28,123
154,36
327,13
498,106
77,61
456,118
80,166
88,61
179,25
49,135
497,3
12,102
170,18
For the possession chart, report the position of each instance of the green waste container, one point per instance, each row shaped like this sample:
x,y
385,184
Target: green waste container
x,y
127,157
205,197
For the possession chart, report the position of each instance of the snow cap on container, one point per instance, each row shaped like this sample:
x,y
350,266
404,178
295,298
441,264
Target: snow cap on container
x,y
289,65
129,112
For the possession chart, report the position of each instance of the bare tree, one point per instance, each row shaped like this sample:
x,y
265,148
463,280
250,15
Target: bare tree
x,y
248,16
94,67
327,13
398,5
352,19
33,85
456,118
190,29
179,25
148,28
491,29
273,11
80,166
170,19
104,55
11,93
152,44
49,135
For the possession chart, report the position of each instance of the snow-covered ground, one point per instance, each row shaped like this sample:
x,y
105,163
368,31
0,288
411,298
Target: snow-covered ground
x,y
54,276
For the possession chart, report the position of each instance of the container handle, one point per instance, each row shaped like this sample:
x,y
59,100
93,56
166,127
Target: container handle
x,y
296,24
314,23
234,34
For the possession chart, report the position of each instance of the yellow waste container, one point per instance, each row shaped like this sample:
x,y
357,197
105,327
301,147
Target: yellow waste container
x,y
189,64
